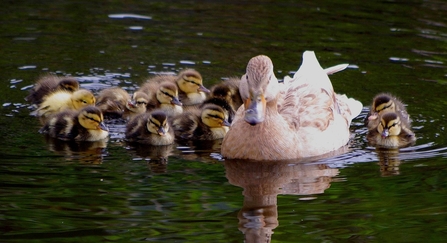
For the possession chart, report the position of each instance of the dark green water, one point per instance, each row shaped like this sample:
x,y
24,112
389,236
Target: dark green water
x,y
52,192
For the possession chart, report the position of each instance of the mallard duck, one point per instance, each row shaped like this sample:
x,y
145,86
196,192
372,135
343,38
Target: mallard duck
x,y
385,102
392,131
137,105
112,101
207,123
150,128
301,118
50,83
162,96
226,95
84,125
61,100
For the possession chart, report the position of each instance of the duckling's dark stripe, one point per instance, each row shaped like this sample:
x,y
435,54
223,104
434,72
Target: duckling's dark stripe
x,y
93,119
385,107
167,94
157,125
190,81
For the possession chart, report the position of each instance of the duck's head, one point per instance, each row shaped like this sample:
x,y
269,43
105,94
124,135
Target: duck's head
x,y
82,98
390,124
382,103
190,81
138,102
258,87
69,84
167,93
214,116
157,123
91,118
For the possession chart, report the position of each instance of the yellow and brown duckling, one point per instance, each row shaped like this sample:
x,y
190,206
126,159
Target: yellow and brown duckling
x,y
50,83
84,125
226,94
162,96
382,103
207,123
392,131
112,101
150,128
61,100
190,86
137,105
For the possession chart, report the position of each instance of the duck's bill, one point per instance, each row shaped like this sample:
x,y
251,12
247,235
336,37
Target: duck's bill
x,y
203,89
131,104
385,133
161,131
103,126
255,110
176,101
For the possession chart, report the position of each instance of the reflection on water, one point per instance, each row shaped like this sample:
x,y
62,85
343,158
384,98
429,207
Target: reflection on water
x,y
388,161
84,152
264,181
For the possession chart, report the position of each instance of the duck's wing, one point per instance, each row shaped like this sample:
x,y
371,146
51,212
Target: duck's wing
x,y
308,99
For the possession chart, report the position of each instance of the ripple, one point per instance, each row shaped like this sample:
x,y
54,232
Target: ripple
x,y
132,16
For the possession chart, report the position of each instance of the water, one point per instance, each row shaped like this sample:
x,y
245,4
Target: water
x,y
115,192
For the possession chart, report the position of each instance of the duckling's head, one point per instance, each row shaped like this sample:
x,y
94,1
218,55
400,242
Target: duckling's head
x,y
69,84
157,123
382,103
258,87
214,116
167,93
91,118
138,102
390,124
190,81
221,92
82,98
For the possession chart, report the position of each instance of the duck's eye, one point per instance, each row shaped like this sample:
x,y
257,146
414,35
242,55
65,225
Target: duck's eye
x,y
141,103
166,93
84,101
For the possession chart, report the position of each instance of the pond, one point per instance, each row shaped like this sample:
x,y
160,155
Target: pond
x,y
114,192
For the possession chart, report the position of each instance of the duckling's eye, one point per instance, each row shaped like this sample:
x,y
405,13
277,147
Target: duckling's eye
x,y
154,123
384,108
215,117
91,118
84,101
141,103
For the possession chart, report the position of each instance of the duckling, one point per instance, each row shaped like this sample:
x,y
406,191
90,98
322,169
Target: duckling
x,y
137,105
190,86
207,123
84,125
49,83
162,96
112,101
150,128
61,100
393,131
304,112
226,95
385,102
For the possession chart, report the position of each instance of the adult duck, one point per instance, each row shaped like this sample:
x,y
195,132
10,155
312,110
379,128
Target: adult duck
x,y
301,118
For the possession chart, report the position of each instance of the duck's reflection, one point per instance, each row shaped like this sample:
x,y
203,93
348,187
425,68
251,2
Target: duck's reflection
x,y
263,181
157,156
85,152
388,161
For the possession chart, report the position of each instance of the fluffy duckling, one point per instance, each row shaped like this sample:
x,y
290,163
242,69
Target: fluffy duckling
x,y
190,86
150,128
300,118
48,84
137,105
62,100
384,102
162,96
393,131
207,123
112,101
84,125
226,95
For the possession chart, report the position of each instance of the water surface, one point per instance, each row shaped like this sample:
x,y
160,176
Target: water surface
x,y
116,192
